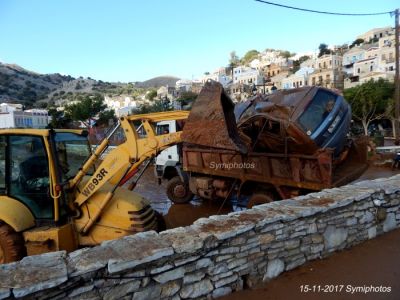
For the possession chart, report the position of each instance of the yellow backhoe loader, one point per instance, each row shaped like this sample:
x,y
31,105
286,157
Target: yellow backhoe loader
x,y
55,194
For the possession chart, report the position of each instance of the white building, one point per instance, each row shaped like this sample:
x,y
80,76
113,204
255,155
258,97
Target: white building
x,y
12,116
298,79
246,75
183,85
219,76
122,105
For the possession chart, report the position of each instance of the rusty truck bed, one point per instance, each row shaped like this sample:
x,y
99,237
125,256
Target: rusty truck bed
x,y
311,172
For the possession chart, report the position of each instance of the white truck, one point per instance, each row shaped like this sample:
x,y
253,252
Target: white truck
x,y
168,166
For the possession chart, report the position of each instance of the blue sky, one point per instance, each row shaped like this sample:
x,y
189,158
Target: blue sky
x,y
134,40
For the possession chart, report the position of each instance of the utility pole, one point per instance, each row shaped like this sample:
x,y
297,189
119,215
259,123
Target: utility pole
x,y
397,78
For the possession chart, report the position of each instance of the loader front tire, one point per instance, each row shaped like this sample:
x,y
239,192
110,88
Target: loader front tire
x,y
12,246
178,191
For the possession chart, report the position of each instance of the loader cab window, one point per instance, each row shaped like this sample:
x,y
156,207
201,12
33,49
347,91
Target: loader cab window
x,y
72,151
28,174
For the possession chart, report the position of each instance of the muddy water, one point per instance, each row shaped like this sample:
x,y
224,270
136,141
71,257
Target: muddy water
x,y
177,215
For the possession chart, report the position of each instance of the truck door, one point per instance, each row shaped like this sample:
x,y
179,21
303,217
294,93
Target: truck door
x,y
169,156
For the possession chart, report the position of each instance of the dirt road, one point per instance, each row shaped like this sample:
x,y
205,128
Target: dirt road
x,y
373,263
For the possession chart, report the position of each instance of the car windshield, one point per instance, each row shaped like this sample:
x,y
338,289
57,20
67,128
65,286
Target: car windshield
x,y
72,151
316,112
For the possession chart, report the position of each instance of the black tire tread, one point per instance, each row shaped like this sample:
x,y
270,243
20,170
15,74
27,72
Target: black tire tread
x,y
170,187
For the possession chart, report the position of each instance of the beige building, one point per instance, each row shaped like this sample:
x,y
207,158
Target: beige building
x,y
328,72
329,61
277,80
329,78
275,69
365,66
309,63
376,33
375,76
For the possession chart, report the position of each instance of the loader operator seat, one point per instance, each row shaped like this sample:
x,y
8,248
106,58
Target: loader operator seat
x,y
34,175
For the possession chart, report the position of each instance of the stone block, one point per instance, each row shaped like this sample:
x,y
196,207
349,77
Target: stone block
x,y
333,237
135,250
372,232
196,290
221,292
118,291
34,273
226,280
193,277
170,275
151,292
203,263
170,289
390,222
274,268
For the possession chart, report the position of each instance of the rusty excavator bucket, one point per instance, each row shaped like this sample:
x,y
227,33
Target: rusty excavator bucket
x,y
211,122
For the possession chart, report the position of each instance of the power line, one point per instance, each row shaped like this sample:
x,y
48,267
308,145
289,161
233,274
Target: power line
x,y
325,12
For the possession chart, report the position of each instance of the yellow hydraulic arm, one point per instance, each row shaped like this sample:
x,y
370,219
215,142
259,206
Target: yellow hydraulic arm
x,y
125,157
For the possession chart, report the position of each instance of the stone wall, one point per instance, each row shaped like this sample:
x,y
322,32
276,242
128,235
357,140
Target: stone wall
x,y
214,256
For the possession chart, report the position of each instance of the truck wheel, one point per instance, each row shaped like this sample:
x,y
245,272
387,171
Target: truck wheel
x,y
259,198
178,191
11,244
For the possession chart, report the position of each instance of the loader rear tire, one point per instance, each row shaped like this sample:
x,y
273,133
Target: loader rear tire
x,y
12,246
178,191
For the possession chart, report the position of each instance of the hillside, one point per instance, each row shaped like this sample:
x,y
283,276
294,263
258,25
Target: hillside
x,y
23,86
19,85
156,82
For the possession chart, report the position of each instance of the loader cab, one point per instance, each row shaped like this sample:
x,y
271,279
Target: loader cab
x,y
33,162
25,172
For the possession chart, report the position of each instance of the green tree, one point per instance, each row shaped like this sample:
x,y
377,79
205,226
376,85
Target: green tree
x,y
297,63
370,101
249,56
150,95
156,106
187,99
356,42
233,60
187,96
58,118
86,108
323,49
105,116
286,54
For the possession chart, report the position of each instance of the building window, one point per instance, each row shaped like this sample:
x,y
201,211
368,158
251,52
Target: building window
x,y
358,70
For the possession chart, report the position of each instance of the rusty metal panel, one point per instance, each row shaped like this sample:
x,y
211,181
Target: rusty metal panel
x,y
211,122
